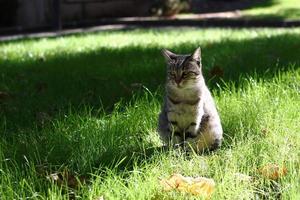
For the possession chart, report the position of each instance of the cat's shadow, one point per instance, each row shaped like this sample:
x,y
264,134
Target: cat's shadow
x,y
139,157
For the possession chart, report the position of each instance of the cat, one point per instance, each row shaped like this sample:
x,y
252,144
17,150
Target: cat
x,y
188,117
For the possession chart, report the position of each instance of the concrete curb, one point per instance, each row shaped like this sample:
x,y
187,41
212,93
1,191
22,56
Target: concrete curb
x,y
146,22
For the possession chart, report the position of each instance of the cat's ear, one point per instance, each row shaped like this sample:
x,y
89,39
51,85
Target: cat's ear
x,y
197,55
168,55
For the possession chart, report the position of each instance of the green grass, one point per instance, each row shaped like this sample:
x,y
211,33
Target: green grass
x,y
274,9
68,104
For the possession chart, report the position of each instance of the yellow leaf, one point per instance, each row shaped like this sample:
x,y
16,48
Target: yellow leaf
x,y
273,171
172,182
199,186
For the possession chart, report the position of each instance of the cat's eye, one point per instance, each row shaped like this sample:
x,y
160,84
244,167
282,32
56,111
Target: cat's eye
x,y
184,74
171,74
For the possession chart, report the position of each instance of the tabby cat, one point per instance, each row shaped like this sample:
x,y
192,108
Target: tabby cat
x,y
189,117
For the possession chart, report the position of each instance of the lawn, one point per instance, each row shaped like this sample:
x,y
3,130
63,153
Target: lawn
x,y
274,9
84,107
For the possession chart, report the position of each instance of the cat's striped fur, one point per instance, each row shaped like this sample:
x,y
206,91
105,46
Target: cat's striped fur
x,y
189,116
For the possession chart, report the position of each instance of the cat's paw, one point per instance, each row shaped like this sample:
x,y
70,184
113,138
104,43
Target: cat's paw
x,y
216,145
190,135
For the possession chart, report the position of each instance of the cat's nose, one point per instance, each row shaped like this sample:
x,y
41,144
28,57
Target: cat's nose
x,y
178,80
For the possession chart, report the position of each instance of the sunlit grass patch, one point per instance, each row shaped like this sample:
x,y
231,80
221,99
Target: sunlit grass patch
x,y
277,9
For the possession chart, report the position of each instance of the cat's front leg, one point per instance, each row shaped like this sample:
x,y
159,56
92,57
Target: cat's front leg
x,y
192,130
168,130
175,133
193,126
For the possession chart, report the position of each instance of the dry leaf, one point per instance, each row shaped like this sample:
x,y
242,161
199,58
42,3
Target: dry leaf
x,y
199,186
71,180
56,178
273,171
216,71
4,96
172,182
202,186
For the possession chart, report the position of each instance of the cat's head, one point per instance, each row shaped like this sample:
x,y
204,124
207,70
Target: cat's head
x,y
183,70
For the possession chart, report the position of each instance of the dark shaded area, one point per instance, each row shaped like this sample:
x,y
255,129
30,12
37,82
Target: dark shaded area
x,y
8,10
81,79
207,6
149,7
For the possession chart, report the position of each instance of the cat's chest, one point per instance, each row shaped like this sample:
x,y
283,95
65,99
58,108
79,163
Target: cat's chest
x,y
185,94
184,106
183,115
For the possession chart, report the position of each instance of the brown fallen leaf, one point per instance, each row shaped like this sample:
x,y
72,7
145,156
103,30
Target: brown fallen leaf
x,y
4,96
57,178
199,186
273,171
216,71
67,178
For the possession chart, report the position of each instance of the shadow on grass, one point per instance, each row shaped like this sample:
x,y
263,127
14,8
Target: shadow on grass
x,y
100,78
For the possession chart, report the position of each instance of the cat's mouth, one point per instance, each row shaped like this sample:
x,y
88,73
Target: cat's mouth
x,y
179,85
